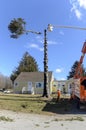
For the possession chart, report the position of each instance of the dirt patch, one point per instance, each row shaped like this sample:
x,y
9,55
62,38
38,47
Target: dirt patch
x,y
63,106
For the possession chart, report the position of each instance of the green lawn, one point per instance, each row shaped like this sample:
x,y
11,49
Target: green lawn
x,y
33,104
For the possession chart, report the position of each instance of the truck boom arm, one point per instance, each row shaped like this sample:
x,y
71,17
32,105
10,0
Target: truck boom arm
x,y
78,73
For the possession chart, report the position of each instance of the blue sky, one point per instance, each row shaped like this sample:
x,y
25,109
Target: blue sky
x,y
64,45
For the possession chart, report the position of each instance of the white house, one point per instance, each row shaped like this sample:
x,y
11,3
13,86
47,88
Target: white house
x,y
32,82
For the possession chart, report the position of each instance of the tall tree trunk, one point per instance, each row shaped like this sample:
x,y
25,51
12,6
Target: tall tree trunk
x,y
46,87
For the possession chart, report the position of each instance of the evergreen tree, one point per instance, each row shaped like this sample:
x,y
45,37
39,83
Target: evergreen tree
x,y
84,72
17,27
73,70
27,64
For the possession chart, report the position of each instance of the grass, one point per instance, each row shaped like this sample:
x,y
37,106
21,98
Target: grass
x,y
62,124
3,118
78,118
46,122
37,125
75,118
34,104
37,104
22,103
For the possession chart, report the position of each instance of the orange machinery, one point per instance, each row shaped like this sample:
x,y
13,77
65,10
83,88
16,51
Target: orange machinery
x,y
79,69
79,80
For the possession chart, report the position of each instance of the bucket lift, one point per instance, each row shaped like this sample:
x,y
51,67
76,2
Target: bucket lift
x,y
79,80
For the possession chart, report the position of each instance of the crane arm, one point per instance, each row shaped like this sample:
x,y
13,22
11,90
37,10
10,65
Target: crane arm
x,y
79,69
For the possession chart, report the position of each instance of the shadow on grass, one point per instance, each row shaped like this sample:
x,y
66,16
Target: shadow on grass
x,y
63,106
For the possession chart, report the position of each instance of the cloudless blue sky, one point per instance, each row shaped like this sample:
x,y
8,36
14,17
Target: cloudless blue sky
x,y
64,45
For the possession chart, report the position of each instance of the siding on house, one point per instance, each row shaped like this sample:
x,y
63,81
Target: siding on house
x,y
61,85
68,84
35,78
54,86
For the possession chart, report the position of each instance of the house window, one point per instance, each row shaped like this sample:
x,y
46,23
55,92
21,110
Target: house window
x,y
59,85
54,85
39,84
16,84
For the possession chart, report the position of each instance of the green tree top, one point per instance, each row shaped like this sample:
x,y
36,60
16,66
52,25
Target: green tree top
x,y
17,27
27,64
73,70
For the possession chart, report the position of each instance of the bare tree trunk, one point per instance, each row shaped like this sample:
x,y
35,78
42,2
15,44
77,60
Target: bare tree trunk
x,y
46,87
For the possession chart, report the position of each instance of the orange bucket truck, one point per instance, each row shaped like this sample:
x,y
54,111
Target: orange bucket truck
x,y
78,82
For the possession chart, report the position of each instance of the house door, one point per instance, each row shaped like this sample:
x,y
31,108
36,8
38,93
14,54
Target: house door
x,y
30,88
69,88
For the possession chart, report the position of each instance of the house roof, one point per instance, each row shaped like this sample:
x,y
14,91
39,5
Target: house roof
x,y
33,76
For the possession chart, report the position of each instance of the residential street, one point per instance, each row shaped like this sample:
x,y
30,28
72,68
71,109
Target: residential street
x,y
22,121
